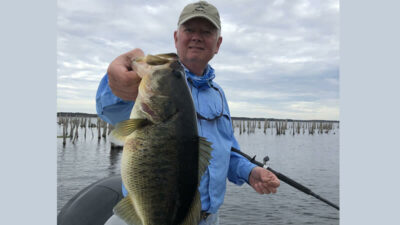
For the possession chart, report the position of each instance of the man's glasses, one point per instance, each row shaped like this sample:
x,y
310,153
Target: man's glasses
x,y
199,116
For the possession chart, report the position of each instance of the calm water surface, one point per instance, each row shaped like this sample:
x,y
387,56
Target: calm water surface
x,y
312,160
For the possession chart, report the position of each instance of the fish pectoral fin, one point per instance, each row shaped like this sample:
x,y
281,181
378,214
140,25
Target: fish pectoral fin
x,y
126,211
204,155
126,127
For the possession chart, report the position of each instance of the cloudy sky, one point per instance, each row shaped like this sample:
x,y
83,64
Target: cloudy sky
x,y
278,59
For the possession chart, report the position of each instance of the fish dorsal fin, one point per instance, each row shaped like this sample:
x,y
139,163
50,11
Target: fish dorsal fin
x,y
127,127
205,149
126,211
204,155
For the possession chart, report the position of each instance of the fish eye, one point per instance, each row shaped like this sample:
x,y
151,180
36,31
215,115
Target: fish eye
x,y
177,74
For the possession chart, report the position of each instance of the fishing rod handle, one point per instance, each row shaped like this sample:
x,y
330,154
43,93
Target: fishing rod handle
x,y
290,181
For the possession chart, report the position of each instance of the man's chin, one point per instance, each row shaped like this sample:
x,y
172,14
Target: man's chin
x,y
193,59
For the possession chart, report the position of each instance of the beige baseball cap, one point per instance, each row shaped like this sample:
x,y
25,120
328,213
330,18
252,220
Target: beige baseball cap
x,y
200,9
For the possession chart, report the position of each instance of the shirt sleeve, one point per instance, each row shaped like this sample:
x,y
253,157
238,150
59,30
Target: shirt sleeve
x,y
109,107
239,167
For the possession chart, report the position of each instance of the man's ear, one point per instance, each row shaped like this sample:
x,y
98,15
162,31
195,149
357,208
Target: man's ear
x,y
175,37
218,44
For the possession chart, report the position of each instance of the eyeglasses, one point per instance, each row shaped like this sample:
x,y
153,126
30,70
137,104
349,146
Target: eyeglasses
x,y
199,116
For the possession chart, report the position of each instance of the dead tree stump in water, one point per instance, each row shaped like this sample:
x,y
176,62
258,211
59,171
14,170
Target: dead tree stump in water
x,y
64,124
98,128
104,130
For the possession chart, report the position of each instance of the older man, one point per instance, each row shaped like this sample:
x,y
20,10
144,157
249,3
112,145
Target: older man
x,y
197,40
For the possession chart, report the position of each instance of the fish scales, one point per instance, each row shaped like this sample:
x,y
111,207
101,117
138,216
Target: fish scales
x,y
161,160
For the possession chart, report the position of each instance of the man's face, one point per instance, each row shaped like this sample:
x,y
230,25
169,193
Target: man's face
x,y
197,41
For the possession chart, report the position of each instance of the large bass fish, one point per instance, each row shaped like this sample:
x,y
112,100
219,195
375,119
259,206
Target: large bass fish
x,y
163,157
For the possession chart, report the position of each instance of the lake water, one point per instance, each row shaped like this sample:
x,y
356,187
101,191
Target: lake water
x,y
312,160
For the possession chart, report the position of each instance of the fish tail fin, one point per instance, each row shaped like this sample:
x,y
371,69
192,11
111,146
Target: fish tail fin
x,y
204,156
126,127
126,211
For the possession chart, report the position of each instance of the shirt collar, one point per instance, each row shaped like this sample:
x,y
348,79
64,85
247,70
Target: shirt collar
x,y
200,82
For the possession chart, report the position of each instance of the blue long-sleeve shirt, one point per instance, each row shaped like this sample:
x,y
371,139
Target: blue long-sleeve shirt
x,y
208,102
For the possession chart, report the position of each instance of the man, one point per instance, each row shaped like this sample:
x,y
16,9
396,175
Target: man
x,y
197,40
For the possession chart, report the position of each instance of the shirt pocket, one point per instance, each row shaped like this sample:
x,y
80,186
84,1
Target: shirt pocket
x,y
225,125
210,104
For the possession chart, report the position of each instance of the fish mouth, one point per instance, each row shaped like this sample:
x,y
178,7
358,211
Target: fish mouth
x,y
149,63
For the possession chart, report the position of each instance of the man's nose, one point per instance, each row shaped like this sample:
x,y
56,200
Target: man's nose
x,y
196,36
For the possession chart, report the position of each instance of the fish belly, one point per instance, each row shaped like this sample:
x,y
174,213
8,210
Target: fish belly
x,y
150,174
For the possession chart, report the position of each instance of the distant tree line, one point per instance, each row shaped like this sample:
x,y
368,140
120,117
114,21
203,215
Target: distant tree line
x,y
281,120
75,114
78,114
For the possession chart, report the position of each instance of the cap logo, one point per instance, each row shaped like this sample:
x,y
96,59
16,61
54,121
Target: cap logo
x,y
200,7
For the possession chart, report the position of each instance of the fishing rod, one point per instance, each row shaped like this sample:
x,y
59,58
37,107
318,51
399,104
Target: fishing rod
x,y
284,178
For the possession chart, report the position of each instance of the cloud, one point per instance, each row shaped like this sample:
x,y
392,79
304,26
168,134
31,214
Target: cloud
x,y
277,57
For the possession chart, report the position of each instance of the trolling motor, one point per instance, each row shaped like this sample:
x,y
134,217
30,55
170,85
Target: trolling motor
x,y
284,178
